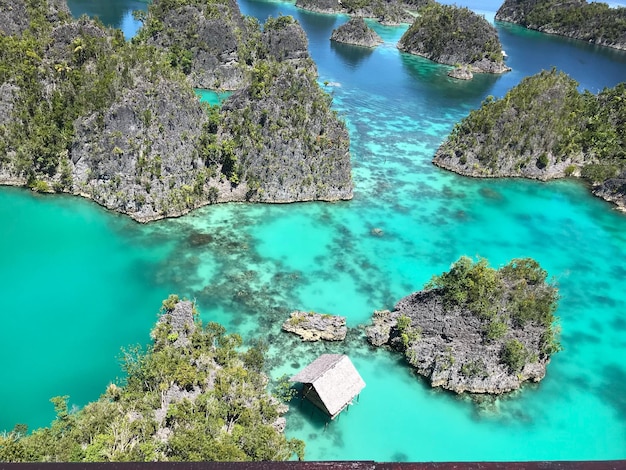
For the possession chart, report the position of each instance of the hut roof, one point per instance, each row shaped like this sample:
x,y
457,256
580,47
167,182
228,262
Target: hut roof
x,y
334,378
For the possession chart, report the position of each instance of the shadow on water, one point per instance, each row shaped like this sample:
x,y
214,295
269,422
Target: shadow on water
x,y
351,55
612,390
447,89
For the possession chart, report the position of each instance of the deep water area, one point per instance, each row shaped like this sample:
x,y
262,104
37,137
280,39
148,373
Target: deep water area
x,y
79,282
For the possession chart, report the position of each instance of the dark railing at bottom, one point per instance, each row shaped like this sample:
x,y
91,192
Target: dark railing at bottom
x,y
339,465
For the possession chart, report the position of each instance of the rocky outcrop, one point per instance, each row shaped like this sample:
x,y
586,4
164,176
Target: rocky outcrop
x,y
595,22
284,40
462,72
138,155
15,16
449,349
613,190
320,6
547,98
178,319
311,326
8,95
455,36
289,145
211,33
460,350
356,32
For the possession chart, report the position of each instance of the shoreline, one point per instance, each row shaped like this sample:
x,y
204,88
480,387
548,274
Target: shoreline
x,y
22,184
620,207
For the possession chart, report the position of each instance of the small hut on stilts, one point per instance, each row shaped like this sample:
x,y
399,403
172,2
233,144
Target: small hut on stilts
x,y
330,382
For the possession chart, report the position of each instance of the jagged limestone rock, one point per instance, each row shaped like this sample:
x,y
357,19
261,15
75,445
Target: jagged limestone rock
x,y
212,33
462,350
311,326
291,146
391,13
543,129
462,72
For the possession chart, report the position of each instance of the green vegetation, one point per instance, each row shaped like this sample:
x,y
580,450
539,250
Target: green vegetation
x,y
202,399
508,298
595,22
518,288
452,35
514,355
408,334
540,123
473,369
77,70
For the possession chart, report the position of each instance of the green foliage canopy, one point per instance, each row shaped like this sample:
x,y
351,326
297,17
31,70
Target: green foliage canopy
x,y
513,296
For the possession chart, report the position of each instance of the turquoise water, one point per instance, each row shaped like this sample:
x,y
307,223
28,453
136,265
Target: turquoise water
x,y
80,282
213,97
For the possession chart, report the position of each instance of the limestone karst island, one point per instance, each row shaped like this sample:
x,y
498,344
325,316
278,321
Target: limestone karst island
x,y
87,113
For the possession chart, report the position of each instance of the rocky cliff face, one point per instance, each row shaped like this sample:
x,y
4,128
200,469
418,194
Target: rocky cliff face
x,y
211,32
139,155
284,40
320,6
613,190
288,144
15,15
454,36
592,22
356,32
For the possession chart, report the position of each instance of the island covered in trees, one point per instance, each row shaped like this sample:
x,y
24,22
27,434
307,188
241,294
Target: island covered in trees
x,y
451,35
544,128
193,395
387,12
356,32
474,328
85,112
595,22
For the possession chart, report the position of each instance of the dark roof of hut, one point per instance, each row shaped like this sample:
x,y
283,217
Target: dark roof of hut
x,y
334,378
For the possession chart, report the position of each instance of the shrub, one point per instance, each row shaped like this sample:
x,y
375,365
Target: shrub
x,y
514,355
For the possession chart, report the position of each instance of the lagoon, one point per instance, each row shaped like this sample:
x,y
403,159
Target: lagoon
x,y
79,282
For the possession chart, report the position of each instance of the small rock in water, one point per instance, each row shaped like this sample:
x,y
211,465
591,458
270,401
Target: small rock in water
x,y
461,73
311,326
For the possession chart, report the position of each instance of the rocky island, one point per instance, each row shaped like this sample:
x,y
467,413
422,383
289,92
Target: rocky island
x,y
455,36
544,128
387,12
192,396
475,329
88,113
595,22
356,32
